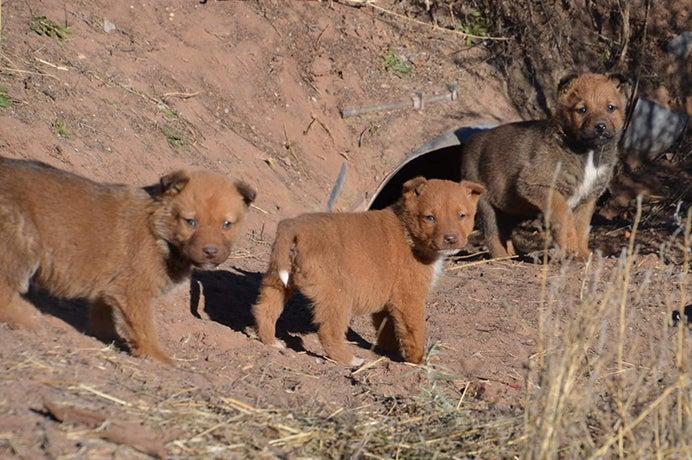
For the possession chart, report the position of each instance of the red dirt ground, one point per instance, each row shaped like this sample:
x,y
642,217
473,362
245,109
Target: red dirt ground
x,y
239,83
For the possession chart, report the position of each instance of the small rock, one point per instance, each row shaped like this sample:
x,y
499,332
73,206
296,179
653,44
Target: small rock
x,y
108,26
653,128
681,46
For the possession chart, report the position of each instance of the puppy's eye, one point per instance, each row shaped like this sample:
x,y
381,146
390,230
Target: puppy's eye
x,y
582,110
227,224
192,223
462,216
611,107
430,218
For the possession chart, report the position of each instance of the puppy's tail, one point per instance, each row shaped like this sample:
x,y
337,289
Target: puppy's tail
x,y
283,251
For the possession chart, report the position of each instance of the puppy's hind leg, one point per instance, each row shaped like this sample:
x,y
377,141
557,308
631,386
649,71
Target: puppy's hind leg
x,y
386,335
266,311
491,230
12,311
19,261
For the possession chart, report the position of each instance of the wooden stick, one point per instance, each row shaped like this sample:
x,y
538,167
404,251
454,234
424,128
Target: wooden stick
x,y
481,262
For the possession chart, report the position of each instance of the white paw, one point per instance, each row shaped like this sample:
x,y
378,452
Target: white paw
x,y
357,362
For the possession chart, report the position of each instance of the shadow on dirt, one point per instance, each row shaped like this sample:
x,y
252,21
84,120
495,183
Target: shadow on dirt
x,y
72,312
227,298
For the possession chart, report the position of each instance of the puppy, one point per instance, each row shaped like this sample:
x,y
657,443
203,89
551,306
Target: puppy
x,y
569,159
381,263
118,247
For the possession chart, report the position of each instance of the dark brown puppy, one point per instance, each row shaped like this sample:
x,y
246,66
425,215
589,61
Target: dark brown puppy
x,y
517,163
118,247
377,262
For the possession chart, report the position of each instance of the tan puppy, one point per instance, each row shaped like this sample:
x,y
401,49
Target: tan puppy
x,y
377,262
118,247
517,162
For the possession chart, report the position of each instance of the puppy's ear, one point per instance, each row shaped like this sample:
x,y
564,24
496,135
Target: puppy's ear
x,y
474,190
247,192
623,83
174,183
414,185
565,83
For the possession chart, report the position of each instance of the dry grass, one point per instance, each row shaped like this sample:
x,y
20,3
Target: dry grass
x,y
600,391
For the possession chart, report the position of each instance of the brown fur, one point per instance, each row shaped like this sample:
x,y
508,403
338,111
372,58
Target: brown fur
x,y
377,262
118,247
516,162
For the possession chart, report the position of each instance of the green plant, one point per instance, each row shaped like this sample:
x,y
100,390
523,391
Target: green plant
x,y
174,137
393,63
168,112
60,128
44,26
5,100
474,24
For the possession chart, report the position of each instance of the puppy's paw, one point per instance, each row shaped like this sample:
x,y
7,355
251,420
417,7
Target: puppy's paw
x,y
155,355
21,320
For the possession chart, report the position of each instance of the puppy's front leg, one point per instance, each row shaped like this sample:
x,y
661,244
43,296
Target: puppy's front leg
x,y
409,323
582,221
139,321
561,222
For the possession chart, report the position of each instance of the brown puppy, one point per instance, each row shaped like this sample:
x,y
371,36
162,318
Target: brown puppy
x,y
517,163
377,262
118,247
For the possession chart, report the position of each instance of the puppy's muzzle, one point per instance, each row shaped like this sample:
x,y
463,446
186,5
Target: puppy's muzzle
x,y
210,251
208,256
451,239
599,134
450,243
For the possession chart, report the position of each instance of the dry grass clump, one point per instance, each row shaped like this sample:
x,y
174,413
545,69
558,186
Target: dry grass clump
x,y
609,384
193,423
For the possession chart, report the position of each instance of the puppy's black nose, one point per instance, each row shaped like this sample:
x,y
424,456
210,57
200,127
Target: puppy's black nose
x,y
210,251
451,238
600,128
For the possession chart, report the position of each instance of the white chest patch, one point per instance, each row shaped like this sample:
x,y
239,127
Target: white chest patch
x,y
591,176
437,267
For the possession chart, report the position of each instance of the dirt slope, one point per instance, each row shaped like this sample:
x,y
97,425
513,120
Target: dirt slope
x,y
235,87
258,73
